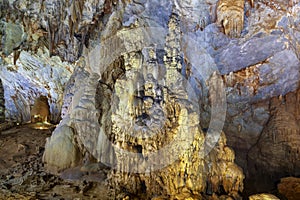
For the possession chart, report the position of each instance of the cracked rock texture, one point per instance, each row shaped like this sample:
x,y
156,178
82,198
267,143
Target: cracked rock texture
x,y
138,118
115,71
263,197
289,187
33,75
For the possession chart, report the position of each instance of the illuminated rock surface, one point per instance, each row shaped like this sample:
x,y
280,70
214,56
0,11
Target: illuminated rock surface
x,y
263,197
128,77
142,104
33,75
289,187
61,151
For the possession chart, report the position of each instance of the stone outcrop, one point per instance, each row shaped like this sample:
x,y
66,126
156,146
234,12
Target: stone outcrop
x,y
250,72
276,152
263,197
63,27
33,35
278,147
289,187
71,87
33,76
230,15
139,118
13,37
51,48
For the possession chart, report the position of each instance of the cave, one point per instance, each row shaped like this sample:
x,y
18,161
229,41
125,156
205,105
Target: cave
x,y
150,99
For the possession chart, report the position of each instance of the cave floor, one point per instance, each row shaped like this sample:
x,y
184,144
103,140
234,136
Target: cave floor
x,y
22,174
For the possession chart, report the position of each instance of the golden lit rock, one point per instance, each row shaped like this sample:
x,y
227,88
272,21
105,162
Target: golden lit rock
x,y
263,197
289,187
40,111
230,15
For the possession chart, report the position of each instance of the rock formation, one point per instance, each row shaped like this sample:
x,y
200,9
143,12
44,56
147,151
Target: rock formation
x,y
40,111
230,15
289,187
61,150
276,153
37,37
263,197
130,77
34,75
140,120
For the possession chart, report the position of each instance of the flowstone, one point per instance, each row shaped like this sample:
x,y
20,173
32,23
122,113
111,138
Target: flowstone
x,y
141,118
150,112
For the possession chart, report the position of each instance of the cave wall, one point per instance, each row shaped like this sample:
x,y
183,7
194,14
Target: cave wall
x,y
57,49
40,43
32,76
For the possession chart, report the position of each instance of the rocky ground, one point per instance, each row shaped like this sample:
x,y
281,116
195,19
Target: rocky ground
x,y
22,174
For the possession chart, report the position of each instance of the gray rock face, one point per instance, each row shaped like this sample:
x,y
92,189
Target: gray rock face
x,y
71,88
33,76
283,70
235,57
250,69
13,36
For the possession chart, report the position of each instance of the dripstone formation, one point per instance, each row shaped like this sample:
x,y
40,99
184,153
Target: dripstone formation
x,y
142,122
168,94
